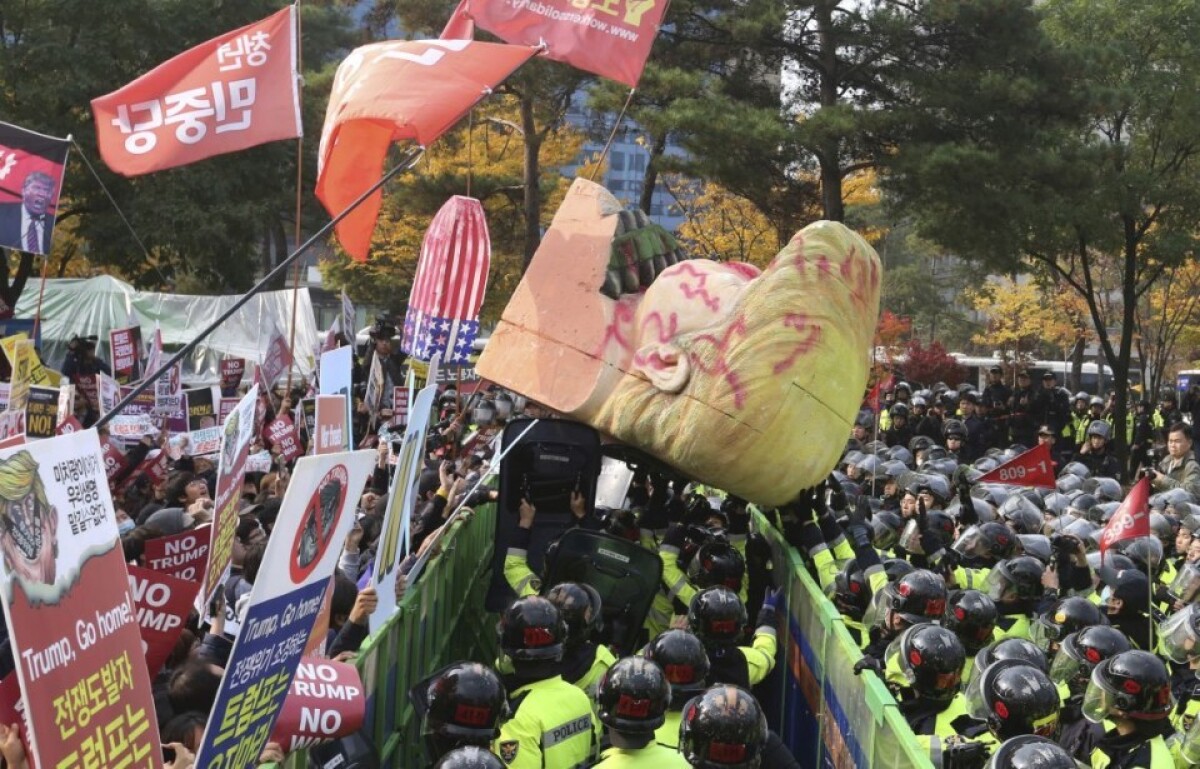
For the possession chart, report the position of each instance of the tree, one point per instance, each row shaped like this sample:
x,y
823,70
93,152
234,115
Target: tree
x,y
1165,315
1025,320
727,227
929,364
1099,168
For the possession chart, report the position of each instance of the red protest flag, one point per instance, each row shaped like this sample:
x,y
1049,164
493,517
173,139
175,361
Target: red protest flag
x,y
1031,468
31,174
607,37
395,91
1132,518
235,91
875,397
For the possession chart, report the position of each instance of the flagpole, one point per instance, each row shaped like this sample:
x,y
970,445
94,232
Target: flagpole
x,y
37,316
299,182
408,162
612,135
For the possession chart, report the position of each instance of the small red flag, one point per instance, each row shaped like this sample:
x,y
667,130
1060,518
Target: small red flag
x,y
1132,518
393,91
875,397
235,91
1032,468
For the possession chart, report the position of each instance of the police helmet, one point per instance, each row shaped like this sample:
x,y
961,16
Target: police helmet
x,y
1031,751
724,728
580,607
971,616
464,705
471,757
684,662
717,563
633,696
1063,617
1015,698
931,659
1133,684
532,630
717,616
1081,651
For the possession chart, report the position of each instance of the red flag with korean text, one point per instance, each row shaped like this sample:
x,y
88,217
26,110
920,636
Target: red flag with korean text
x,y
1029,468
611,38
395,91
235,91
1132,518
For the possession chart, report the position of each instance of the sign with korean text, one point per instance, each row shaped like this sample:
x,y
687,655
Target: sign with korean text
x,y
168,394
23,359
73,425
302,553
231,471
325,702
41,412
399,406
126,345
232,92
375,382
276,360
333,430
108,390
70,614
349,318
162,603
203,429
181,555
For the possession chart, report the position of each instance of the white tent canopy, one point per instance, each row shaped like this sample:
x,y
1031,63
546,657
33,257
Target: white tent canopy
x,y
81,307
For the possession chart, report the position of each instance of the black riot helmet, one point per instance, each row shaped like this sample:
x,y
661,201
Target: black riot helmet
x,y
931,659
717,616
470,758
971,616
717,563
464,705
895,568
1133,684
1015,698
633,696
919,597
1083,650
724,728
1065,616
1030,751
532,630
580,607
1016,579
684,662
850,591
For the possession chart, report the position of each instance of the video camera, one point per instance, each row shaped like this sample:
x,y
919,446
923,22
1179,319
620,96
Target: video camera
x,y
78,341
1153,457
384,328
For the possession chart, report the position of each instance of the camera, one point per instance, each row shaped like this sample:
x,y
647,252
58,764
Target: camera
x,y
78,341
384,328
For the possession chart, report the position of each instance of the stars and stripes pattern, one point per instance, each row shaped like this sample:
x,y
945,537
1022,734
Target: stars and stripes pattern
x,y
451,279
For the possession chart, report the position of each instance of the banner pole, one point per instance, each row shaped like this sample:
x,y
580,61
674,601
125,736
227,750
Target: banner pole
x,y
408,162
299,182
37,316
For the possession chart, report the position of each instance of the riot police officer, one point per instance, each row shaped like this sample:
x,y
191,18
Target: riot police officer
x,y
718,618
532,633
724,727
684,661
469,758
1133,691
464,704
1071,670
632,702
1029,751
584,660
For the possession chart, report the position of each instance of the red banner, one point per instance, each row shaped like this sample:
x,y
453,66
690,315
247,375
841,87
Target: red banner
x,y
114,460
390,92
126,354
608,37
282,434
232,370
333,434
162,603
325,702
1132,518
71,425
153,467
276,360
232,92
1032,468
181,555
31,169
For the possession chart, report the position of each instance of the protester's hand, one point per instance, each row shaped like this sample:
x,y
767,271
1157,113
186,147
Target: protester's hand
x,y
381,460
201,510
184,758
922,514
578,505
526,512
272,754
218,618
12,748
868,663
401,587
364,606
354,538
862,510
460,485
444,474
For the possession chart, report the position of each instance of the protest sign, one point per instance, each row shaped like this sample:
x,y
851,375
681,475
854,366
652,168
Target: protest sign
x,y
232,370
394,537
66,402
225,407
22,374
302,553
231,471
325,702
349,317
337,377
12,428
41,412
73,425
306,418
168,394
131,429
202,407
12,710
277,358
162,603
181,555
259,463
333,431
126,345
108,392
282,434
114,460
69,612
399,406
375,383
1029,468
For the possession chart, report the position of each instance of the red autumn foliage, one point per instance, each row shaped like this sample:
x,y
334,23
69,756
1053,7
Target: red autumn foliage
x,y
930,364
892,330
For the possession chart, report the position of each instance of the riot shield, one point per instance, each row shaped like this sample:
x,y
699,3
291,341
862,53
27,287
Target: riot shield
x,y
553,459
625,574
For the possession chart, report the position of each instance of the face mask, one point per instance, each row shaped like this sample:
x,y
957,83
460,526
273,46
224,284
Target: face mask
x,y
126,526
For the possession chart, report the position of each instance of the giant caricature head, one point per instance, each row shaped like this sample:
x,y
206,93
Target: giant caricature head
x,y
744,380
28,523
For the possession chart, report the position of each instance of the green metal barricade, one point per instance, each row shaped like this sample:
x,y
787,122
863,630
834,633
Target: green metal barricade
x,y
833,718
441,619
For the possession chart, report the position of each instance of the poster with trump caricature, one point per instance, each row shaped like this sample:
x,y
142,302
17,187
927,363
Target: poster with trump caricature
x,y
31,171
66,598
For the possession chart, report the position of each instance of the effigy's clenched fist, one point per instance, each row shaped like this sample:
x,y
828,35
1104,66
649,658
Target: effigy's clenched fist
x,y
745,380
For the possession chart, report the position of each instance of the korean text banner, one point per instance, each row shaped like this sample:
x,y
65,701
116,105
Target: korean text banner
x,y
31,171
390,92
69,611
611,38
314,519
235,91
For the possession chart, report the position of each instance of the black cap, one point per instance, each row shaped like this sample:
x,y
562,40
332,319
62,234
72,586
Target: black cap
x,y
996,370
970,397
1049,375
1022,374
